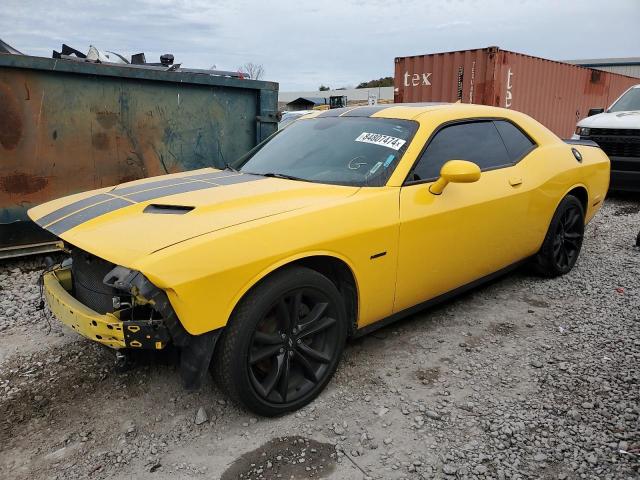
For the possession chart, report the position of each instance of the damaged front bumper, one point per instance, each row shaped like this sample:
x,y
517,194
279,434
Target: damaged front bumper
x,y
106,329
112,329
142,317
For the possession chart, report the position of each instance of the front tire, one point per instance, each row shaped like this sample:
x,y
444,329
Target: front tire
x,y
562,244
283,342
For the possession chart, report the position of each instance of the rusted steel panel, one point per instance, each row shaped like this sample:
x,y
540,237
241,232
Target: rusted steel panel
x,y
464,76
554,93
68,127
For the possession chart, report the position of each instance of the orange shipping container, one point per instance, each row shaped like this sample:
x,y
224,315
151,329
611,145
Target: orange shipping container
x,y
554,93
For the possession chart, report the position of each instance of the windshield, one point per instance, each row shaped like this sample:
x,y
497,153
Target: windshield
x,y
628,101
359,151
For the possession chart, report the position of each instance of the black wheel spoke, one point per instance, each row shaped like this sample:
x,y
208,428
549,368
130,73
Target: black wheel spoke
x,y
316,312
284,315
272,379
307,351
573,240
572,243
284,377
264,353
267,338
572,218
296,303
257,385
565,257
307,367
318,327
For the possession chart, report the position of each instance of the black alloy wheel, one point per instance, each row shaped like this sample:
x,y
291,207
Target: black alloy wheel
x,y
568,238
562,244
283,342
293,346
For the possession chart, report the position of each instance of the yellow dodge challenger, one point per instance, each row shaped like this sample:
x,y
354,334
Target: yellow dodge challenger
x,y
340,223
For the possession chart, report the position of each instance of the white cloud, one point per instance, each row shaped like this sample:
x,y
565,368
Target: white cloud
x,y
336,42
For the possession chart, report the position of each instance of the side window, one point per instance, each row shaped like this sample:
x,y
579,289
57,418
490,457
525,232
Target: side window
x,y
477,142
517,143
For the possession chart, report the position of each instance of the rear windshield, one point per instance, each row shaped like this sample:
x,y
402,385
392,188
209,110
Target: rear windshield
x,y
359,151
628,101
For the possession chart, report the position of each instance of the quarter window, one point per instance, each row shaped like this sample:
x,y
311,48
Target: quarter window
x,y
477,142
517,143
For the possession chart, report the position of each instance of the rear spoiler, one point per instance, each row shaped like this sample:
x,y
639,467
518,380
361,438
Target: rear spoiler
x,y
586,143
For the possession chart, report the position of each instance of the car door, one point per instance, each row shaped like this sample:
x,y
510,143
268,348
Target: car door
x,y
470,230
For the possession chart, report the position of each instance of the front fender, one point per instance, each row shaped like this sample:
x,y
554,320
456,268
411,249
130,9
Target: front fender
x,y
205,278
288,261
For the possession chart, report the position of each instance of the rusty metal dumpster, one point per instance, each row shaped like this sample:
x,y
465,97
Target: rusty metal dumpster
x,y
67,126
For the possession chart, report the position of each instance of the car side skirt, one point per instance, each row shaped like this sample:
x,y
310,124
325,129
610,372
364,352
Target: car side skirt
x,y
436,300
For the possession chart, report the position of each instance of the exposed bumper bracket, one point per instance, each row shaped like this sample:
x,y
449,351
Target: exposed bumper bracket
x,y
136,284
148,334
196,350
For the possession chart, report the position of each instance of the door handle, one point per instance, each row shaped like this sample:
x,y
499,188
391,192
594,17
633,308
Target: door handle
x,y
515,181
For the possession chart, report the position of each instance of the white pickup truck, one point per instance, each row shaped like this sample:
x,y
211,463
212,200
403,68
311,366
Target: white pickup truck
x,y
617,131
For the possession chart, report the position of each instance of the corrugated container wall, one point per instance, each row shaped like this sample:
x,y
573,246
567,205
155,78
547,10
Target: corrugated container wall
x,y
554,93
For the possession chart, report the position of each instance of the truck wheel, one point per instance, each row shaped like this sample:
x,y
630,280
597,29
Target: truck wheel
x,y
563,241
283,342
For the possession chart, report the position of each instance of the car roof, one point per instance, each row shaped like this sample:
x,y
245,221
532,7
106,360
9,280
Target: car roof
x,y
407,111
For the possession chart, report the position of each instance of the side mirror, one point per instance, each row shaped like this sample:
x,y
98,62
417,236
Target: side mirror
x,y
595,111
455,171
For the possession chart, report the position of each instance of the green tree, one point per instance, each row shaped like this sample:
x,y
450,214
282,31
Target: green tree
x,y
324,88
381,82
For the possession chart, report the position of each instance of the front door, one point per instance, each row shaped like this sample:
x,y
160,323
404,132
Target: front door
x,y
470,230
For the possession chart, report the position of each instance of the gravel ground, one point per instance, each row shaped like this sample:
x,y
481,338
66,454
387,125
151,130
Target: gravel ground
x,y
524,378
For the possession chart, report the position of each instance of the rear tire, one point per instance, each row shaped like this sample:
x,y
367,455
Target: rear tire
x,y
283,342
562,244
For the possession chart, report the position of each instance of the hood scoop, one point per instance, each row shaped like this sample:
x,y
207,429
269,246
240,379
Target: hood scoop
x,y
168,209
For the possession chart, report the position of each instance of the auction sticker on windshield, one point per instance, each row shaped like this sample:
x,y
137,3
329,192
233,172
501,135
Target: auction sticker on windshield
x,y
383,140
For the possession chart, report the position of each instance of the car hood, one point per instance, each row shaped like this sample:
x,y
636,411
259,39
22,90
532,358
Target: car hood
x,y
630,119
125,223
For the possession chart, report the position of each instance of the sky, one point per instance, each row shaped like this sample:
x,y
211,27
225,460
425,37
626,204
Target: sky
x,y
303,44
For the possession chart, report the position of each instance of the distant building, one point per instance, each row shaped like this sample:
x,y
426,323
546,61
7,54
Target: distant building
x,y
384,94
629,66
306,103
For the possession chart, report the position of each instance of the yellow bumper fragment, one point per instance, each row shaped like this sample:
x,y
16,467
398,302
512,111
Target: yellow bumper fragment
x,y
105,329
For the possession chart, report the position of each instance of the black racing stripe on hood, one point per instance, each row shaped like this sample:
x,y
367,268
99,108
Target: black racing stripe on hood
x,y
96,209
169,181
121,191
170,190
206,182
124,191
214,175
245,177
87,214
72,207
